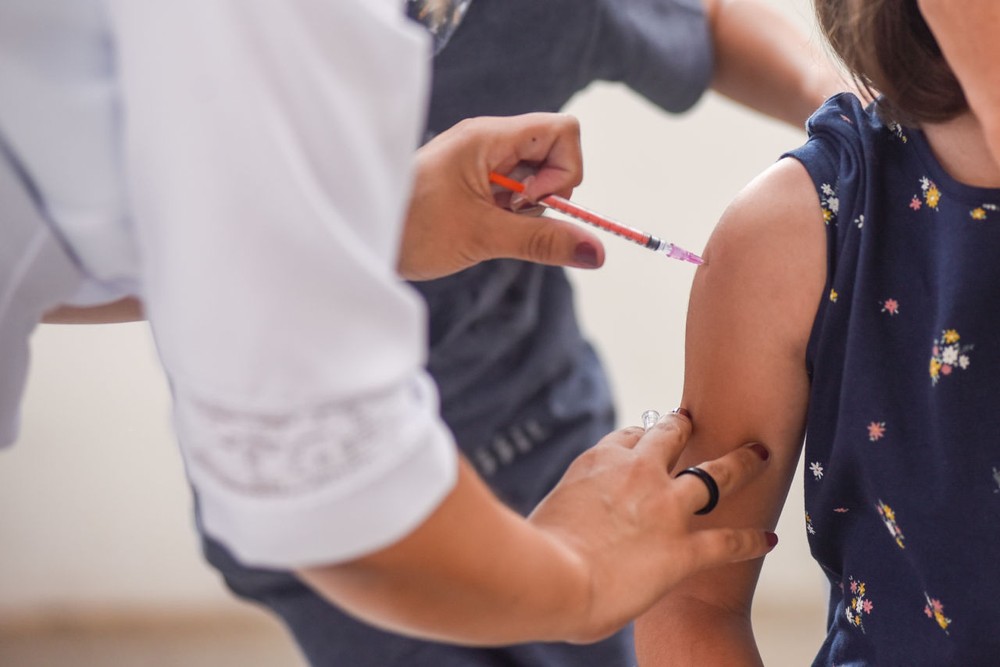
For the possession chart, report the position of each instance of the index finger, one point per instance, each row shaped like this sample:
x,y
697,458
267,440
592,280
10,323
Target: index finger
x,y
666,439
548,141
730,472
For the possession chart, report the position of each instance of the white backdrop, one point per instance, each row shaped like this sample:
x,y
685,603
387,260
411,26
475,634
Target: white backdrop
x,y
94,509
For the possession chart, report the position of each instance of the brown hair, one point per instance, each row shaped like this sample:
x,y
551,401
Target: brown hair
x,y
888,47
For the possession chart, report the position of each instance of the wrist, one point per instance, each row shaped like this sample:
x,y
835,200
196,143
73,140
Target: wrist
x,y
562,590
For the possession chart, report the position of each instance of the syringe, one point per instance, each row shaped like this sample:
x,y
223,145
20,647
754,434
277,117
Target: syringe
x,y
567,207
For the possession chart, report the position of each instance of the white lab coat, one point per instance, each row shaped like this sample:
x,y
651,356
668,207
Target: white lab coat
x,y
243,166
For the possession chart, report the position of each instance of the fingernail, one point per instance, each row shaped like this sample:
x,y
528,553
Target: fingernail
x,y
772,539
761,451
517,201
683,412
585,254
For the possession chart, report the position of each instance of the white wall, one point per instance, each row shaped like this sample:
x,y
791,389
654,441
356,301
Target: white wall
x,y
94,510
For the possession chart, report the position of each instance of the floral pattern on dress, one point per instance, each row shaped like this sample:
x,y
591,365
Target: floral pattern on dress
x,y
860,604
947,354
890,306
833,296
980,212
889,519
897,130
935,610
829,202
809,525
816,468
876,431
932,196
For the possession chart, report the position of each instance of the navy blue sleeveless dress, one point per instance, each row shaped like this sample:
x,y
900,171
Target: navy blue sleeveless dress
x,y
902,449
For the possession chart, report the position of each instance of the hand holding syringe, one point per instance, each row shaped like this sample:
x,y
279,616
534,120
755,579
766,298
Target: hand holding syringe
x,y
567,207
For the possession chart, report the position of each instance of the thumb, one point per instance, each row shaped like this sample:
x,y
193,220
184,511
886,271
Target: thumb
x,y
539,239
720,546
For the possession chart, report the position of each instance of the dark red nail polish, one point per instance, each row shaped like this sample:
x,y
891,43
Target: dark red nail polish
x,y
683,412
772,539
761,451
585,254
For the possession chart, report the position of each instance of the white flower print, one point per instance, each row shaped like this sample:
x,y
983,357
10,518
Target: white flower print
x,y
950,355
817,469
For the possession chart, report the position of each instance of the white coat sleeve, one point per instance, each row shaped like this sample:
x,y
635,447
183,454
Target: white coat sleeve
x,y
268,148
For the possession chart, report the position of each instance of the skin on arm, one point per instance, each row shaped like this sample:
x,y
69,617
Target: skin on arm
x,y
751,311
967,34
607,542
128,309
765,61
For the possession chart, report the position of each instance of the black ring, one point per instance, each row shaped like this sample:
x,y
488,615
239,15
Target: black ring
x,y
713,488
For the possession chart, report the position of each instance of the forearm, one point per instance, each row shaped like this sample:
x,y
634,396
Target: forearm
x,y
609,540
766,62
128,309
685,630
474,573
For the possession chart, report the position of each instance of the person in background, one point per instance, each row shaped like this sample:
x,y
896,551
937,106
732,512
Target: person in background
x,y
850,297
521,388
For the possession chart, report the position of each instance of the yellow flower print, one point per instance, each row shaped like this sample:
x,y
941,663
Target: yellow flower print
x,y
931,193
833,295
859,604
935,610
981,212
889,519
947,355
829,203
933,196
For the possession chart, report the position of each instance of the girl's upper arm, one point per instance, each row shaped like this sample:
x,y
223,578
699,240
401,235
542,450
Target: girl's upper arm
x,y
751,312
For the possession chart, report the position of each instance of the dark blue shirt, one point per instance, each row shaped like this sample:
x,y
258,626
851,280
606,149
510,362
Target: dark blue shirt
x,y
902,456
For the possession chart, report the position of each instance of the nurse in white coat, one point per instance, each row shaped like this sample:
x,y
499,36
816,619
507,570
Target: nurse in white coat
x,y
245,168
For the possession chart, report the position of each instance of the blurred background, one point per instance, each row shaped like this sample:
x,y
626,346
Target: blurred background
x,y
99,562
